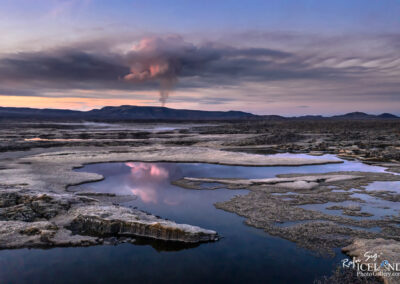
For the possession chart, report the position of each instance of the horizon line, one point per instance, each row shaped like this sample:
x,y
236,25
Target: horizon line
x,y
261,115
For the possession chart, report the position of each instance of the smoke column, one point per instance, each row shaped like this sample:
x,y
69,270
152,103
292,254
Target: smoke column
x,y
165,88
156,59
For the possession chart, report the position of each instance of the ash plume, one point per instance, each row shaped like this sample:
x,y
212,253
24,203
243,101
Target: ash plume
x,y
166,87
157,59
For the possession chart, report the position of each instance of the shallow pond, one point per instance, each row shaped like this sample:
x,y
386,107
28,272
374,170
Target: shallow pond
x,y
244,254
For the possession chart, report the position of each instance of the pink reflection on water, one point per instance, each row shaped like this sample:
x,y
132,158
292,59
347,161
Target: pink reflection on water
x,y
149,182
148,170
147,195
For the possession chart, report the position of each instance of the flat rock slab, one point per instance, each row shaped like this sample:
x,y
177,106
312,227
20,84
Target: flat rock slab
x,y
19,234
184,154
296,183
104,221
53,171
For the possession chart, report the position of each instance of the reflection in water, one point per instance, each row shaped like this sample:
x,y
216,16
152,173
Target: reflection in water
x,y
161,246
148,171
149,181
244,255
393,186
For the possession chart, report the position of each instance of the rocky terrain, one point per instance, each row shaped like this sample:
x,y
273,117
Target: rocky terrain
x,y
367,140
37,162
36,202
274,202
31,218
373,140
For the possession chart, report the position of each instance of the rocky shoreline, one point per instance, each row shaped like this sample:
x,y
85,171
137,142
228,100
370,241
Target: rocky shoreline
x,y
37,209
275,201
34,198
37,219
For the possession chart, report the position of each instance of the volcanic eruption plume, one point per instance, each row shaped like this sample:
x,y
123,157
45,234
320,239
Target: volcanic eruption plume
x,y
157,59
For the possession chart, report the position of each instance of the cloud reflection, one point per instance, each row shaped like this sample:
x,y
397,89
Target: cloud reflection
x,y
148,171
150,181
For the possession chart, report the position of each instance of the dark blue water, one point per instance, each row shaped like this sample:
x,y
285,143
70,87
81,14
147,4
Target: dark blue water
x,y
245,254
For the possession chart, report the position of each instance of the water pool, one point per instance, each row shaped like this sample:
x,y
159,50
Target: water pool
x,y
244,254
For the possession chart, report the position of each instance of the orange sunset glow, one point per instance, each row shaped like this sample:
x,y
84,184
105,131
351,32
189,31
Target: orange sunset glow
x,y
66,102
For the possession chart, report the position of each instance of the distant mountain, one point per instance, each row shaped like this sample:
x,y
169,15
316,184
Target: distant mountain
x,y
164,113
387,115
363,115
122,113
36,111
355,115
136,113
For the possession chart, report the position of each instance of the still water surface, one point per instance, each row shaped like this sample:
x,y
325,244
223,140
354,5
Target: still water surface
x,y
245,254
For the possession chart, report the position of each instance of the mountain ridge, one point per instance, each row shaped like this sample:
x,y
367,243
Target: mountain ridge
x,y
130,112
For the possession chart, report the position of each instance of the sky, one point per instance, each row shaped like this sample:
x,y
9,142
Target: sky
x,y
286,57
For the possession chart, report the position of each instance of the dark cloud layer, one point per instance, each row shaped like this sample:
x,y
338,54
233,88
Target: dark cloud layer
x,y
180,59
66,66
165,61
